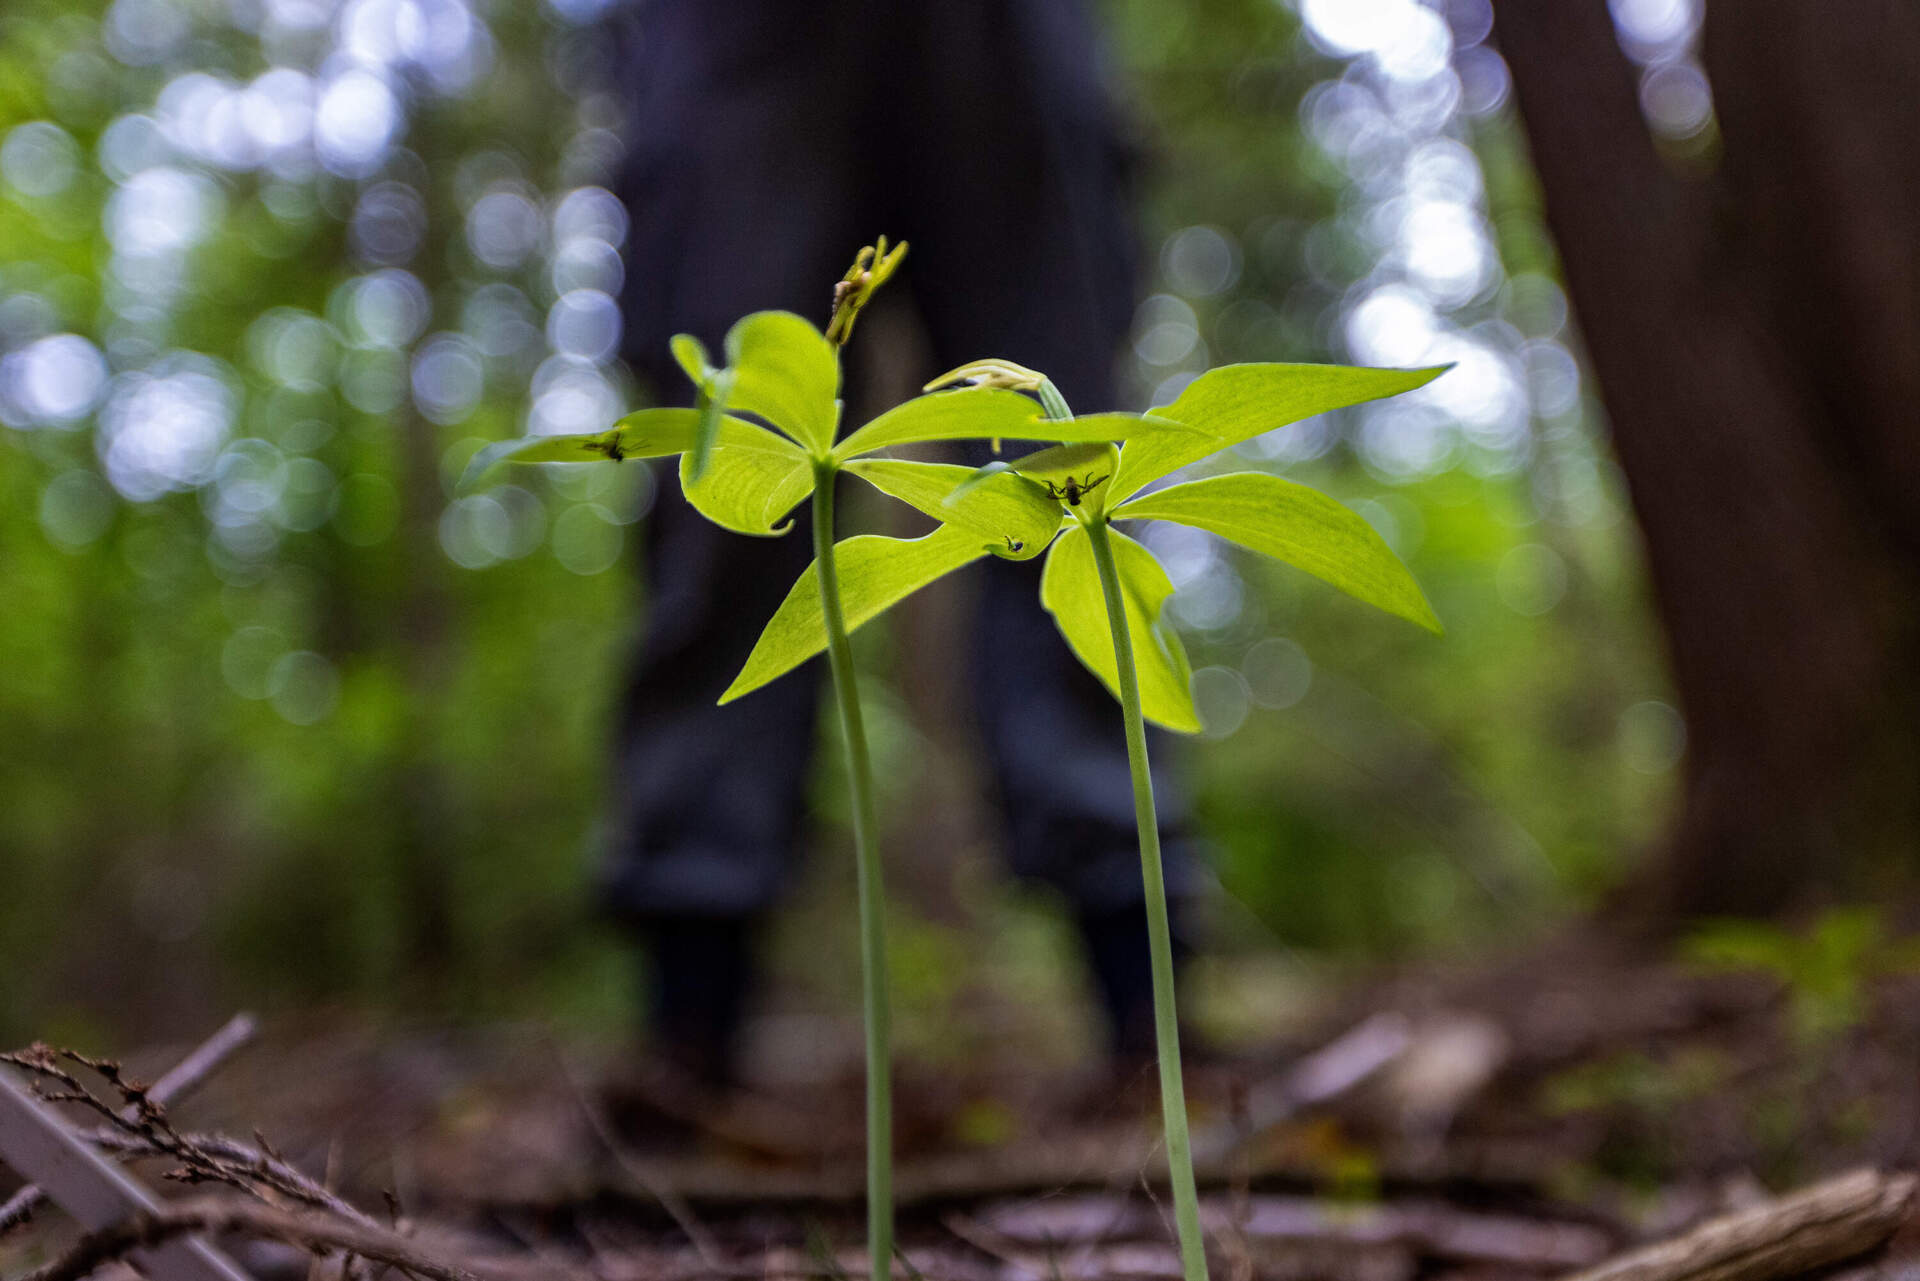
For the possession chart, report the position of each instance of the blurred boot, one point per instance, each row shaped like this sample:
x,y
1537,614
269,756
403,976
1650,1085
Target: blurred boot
x,y
699,972
1122,964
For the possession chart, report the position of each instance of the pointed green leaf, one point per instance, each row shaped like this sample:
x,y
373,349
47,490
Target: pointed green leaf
x,y
1072,474
1298,525
975,413
1070,589
982,413
875,574
649,433
752,481
979,476
1085,461
691,355
786,372
711,404
1238,402
713,387
1013,517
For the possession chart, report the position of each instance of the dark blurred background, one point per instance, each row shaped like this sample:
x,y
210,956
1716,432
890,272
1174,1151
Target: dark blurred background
x,y
285,723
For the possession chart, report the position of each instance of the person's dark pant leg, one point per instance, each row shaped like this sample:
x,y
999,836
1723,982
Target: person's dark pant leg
x,y
770,141
709,801
743,188
1025,249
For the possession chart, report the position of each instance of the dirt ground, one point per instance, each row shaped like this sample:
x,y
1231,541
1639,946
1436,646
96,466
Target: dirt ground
x,y
1513,1121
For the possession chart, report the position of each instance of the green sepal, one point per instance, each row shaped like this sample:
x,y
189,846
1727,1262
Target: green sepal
x,y
875,573
1070,590
1235,403
788,374
1013,517
647,433
1298,525
753,479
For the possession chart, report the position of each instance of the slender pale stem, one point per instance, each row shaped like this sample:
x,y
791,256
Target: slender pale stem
x,y
873,929
1166,1022
1052,403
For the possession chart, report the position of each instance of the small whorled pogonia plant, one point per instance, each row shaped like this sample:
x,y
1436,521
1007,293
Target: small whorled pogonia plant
x,y
747,478
1105,591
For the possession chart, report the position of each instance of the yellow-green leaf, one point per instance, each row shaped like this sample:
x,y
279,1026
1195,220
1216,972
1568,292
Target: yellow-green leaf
x,y
875,574
1238,402
713,388
691,355
1070,590
753,479
649,433
786,372
1012,516
1074,474
982,413
1298,525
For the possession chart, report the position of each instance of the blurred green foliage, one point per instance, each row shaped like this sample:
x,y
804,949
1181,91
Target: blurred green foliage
x,y
286,721
1827,970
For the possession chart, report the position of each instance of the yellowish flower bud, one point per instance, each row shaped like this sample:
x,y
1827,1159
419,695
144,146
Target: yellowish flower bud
x,y
871,267
991,373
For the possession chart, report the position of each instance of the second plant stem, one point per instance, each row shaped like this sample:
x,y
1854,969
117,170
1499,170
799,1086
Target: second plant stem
x,y
1166,1021
873,929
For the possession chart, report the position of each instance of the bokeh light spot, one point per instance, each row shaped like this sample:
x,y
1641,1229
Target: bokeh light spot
x,y
76,508
54,381
303,687
1278,673
39,159
1222,699
587,539
1531,579
1653,736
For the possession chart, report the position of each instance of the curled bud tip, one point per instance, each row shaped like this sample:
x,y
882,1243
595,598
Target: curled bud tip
x,y
871,267
990,373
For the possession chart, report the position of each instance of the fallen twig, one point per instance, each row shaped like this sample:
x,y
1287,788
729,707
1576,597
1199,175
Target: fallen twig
x,y
1330,1071
256,1167
309,1231
190,1073
1426,1228
183,1079
325,1233
1828,1223
35,1141
637,1168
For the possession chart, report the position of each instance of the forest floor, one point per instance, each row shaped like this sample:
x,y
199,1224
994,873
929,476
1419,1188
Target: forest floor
x,y
1519,1120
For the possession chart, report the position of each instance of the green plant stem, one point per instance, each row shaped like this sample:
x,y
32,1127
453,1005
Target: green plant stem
x,y
873,929
1166,1022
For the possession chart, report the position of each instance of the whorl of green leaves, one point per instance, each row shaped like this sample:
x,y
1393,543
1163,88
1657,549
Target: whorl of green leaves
x,y
1088,477
762,434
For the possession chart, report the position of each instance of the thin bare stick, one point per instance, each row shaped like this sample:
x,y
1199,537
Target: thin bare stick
x,y
1826,1223
324,1233
190,1073
184,1078
315,1232
642,1173
255,1167
18,1208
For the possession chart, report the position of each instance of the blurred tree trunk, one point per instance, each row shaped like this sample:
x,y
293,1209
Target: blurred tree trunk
x,y
1753,320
